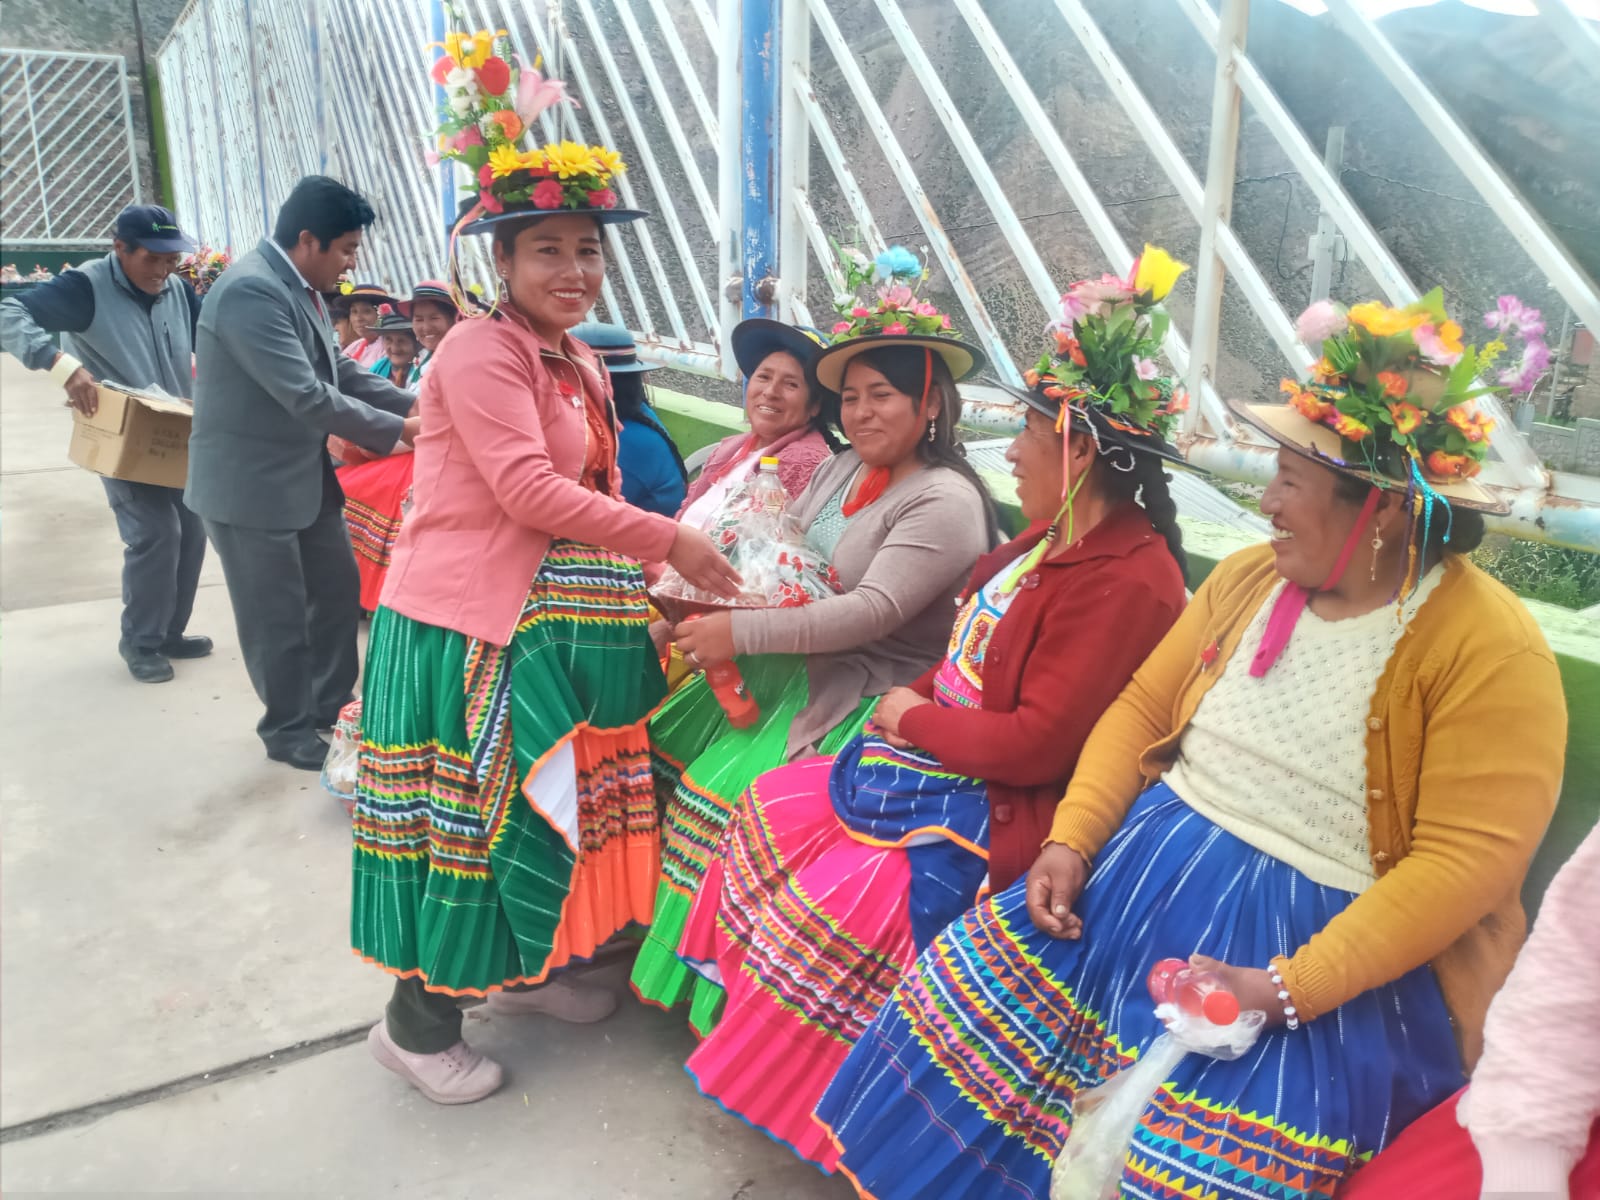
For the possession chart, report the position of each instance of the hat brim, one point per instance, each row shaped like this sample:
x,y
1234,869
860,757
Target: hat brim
x,y
755,339
371,298
603,216
168,245
830,364
1105,433
1322,445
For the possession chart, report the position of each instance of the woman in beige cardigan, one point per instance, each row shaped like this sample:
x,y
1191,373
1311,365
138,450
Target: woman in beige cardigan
x,y
903,518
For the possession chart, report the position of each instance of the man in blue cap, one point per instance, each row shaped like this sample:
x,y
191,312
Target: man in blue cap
x,y
128,318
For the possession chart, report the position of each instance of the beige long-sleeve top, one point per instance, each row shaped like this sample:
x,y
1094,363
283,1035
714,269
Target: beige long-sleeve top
x,y
902,560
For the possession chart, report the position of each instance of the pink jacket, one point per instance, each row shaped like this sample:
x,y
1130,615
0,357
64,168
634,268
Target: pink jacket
x,y
1536,1090
497,468
799,454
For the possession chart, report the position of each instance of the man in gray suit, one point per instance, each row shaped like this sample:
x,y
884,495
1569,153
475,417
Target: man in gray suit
x,y
272,385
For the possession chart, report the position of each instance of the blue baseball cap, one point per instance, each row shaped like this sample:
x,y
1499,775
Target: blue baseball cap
x,y
154,228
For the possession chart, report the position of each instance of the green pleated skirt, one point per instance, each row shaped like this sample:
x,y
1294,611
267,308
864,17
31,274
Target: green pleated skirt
x,y
505,821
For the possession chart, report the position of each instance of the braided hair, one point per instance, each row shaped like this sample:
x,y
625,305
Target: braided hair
x,y
1147,483
905,368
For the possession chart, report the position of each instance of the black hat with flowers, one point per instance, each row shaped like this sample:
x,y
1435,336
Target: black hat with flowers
x,y
488,122
1388,401
889,314
1101,373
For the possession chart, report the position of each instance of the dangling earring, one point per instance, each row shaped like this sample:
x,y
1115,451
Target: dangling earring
x,y
933,429
1377,545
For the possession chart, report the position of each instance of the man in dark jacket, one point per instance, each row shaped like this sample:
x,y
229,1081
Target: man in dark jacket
x,y
272,387
127,318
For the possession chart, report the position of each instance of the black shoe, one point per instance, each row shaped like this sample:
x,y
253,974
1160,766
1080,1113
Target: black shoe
x,y
307,755
147,666
186,647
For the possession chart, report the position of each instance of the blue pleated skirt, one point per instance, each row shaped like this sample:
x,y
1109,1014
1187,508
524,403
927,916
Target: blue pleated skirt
x,y
964,1085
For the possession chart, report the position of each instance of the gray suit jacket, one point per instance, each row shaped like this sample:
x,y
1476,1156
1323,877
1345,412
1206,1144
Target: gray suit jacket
x,y
271,386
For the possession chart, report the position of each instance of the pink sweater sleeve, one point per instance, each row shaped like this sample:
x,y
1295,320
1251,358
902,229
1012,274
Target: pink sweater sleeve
x,y
1536,1090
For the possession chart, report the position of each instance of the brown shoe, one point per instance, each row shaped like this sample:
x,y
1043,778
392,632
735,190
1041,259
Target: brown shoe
x,y
562,998
459,1075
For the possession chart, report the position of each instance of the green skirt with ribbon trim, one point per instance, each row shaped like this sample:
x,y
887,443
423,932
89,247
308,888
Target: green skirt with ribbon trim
x,y
505,822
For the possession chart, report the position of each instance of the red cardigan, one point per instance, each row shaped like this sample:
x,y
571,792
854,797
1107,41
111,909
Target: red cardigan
x,y
1078,628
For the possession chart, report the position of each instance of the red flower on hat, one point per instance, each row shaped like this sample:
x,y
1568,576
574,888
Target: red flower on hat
x,y
896,328
485,175
442,66
548,194
603,198
491,202
494,76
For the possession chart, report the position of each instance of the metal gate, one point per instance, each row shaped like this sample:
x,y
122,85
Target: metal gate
x,y
69,165
759,130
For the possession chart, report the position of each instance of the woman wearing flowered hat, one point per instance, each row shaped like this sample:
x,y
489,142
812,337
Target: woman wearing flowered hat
x,y
903,519
835,872
365,300
505,824
1307,787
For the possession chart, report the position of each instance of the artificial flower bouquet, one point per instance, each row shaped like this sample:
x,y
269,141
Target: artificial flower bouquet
x,y
880,297
1395,383
488,121
761,540
1107,341
203,267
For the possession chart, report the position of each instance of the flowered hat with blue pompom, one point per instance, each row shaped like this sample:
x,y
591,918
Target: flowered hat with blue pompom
x,y
880,306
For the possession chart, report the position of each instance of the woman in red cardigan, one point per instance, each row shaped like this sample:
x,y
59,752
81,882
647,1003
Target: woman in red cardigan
x,y
834,873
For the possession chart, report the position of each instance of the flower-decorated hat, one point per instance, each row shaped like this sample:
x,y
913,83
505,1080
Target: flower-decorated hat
x,y
891,314
1100,372
372,293
392,320
488,124
755,338
1389,402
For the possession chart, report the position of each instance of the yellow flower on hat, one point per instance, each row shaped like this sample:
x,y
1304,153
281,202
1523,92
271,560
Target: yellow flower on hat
x,y
1157,271
503,160
607,161
569,159
471,50
1382,321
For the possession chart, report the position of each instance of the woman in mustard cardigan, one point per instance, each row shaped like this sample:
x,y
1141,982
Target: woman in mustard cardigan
x,y
1325,784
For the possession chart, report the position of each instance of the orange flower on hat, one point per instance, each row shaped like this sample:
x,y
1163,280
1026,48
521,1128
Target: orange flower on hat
x,y
1030,377
510,124
1407,417
1349,428
1393,384
1473,427
1307,404
1323,371
1451,466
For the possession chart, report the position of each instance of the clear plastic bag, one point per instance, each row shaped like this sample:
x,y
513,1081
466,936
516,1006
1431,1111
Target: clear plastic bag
x,y
344,755
1104,1118
758,536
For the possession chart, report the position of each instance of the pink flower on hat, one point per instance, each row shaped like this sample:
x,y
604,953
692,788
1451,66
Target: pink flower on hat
x,y
491,202
470,136
548,194
895,328
926,310
859,311
1144,368
485,175
841,327
603,198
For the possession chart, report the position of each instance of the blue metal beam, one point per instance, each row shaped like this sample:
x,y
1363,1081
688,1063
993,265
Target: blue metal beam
x,y
447,170
759,81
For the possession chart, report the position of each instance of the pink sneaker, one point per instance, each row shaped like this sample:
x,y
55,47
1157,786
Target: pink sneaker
x,y
459,1075
562,998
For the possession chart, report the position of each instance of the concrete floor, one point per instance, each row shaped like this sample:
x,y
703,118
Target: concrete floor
x,y
181,1012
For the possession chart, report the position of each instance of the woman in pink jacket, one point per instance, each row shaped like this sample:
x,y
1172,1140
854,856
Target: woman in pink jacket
x,y
505,823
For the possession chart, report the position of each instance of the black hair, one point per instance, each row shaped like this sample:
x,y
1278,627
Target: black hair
x,y
1464,525
905,368
323,206
627,393
1147,483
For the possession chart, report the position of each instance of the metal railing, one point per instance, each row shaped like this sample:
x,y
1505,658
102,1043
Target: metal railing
x,y
757,131
67,162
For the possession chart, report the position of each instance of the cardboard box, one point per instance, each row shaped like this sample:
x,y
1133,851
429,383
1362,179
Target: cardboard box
x,y
137,436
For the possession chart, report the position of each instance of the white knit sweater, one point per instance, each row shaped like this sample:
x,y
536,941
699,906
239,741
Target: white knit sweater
x,y
1280,761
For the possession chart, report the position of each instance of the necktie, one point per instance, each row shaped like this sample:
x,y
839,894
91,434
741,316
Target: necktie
x,y
316,302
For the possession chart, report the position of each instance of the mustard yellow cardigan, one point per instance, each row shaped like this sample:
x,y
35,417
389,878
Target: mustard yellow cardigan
x,y
1464,757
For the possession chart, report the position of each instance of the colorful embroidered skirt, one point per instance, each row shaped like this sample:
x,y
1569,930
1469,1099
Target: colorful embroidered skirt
x,y
831,877
702,765
373,494
505,822
965,1083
